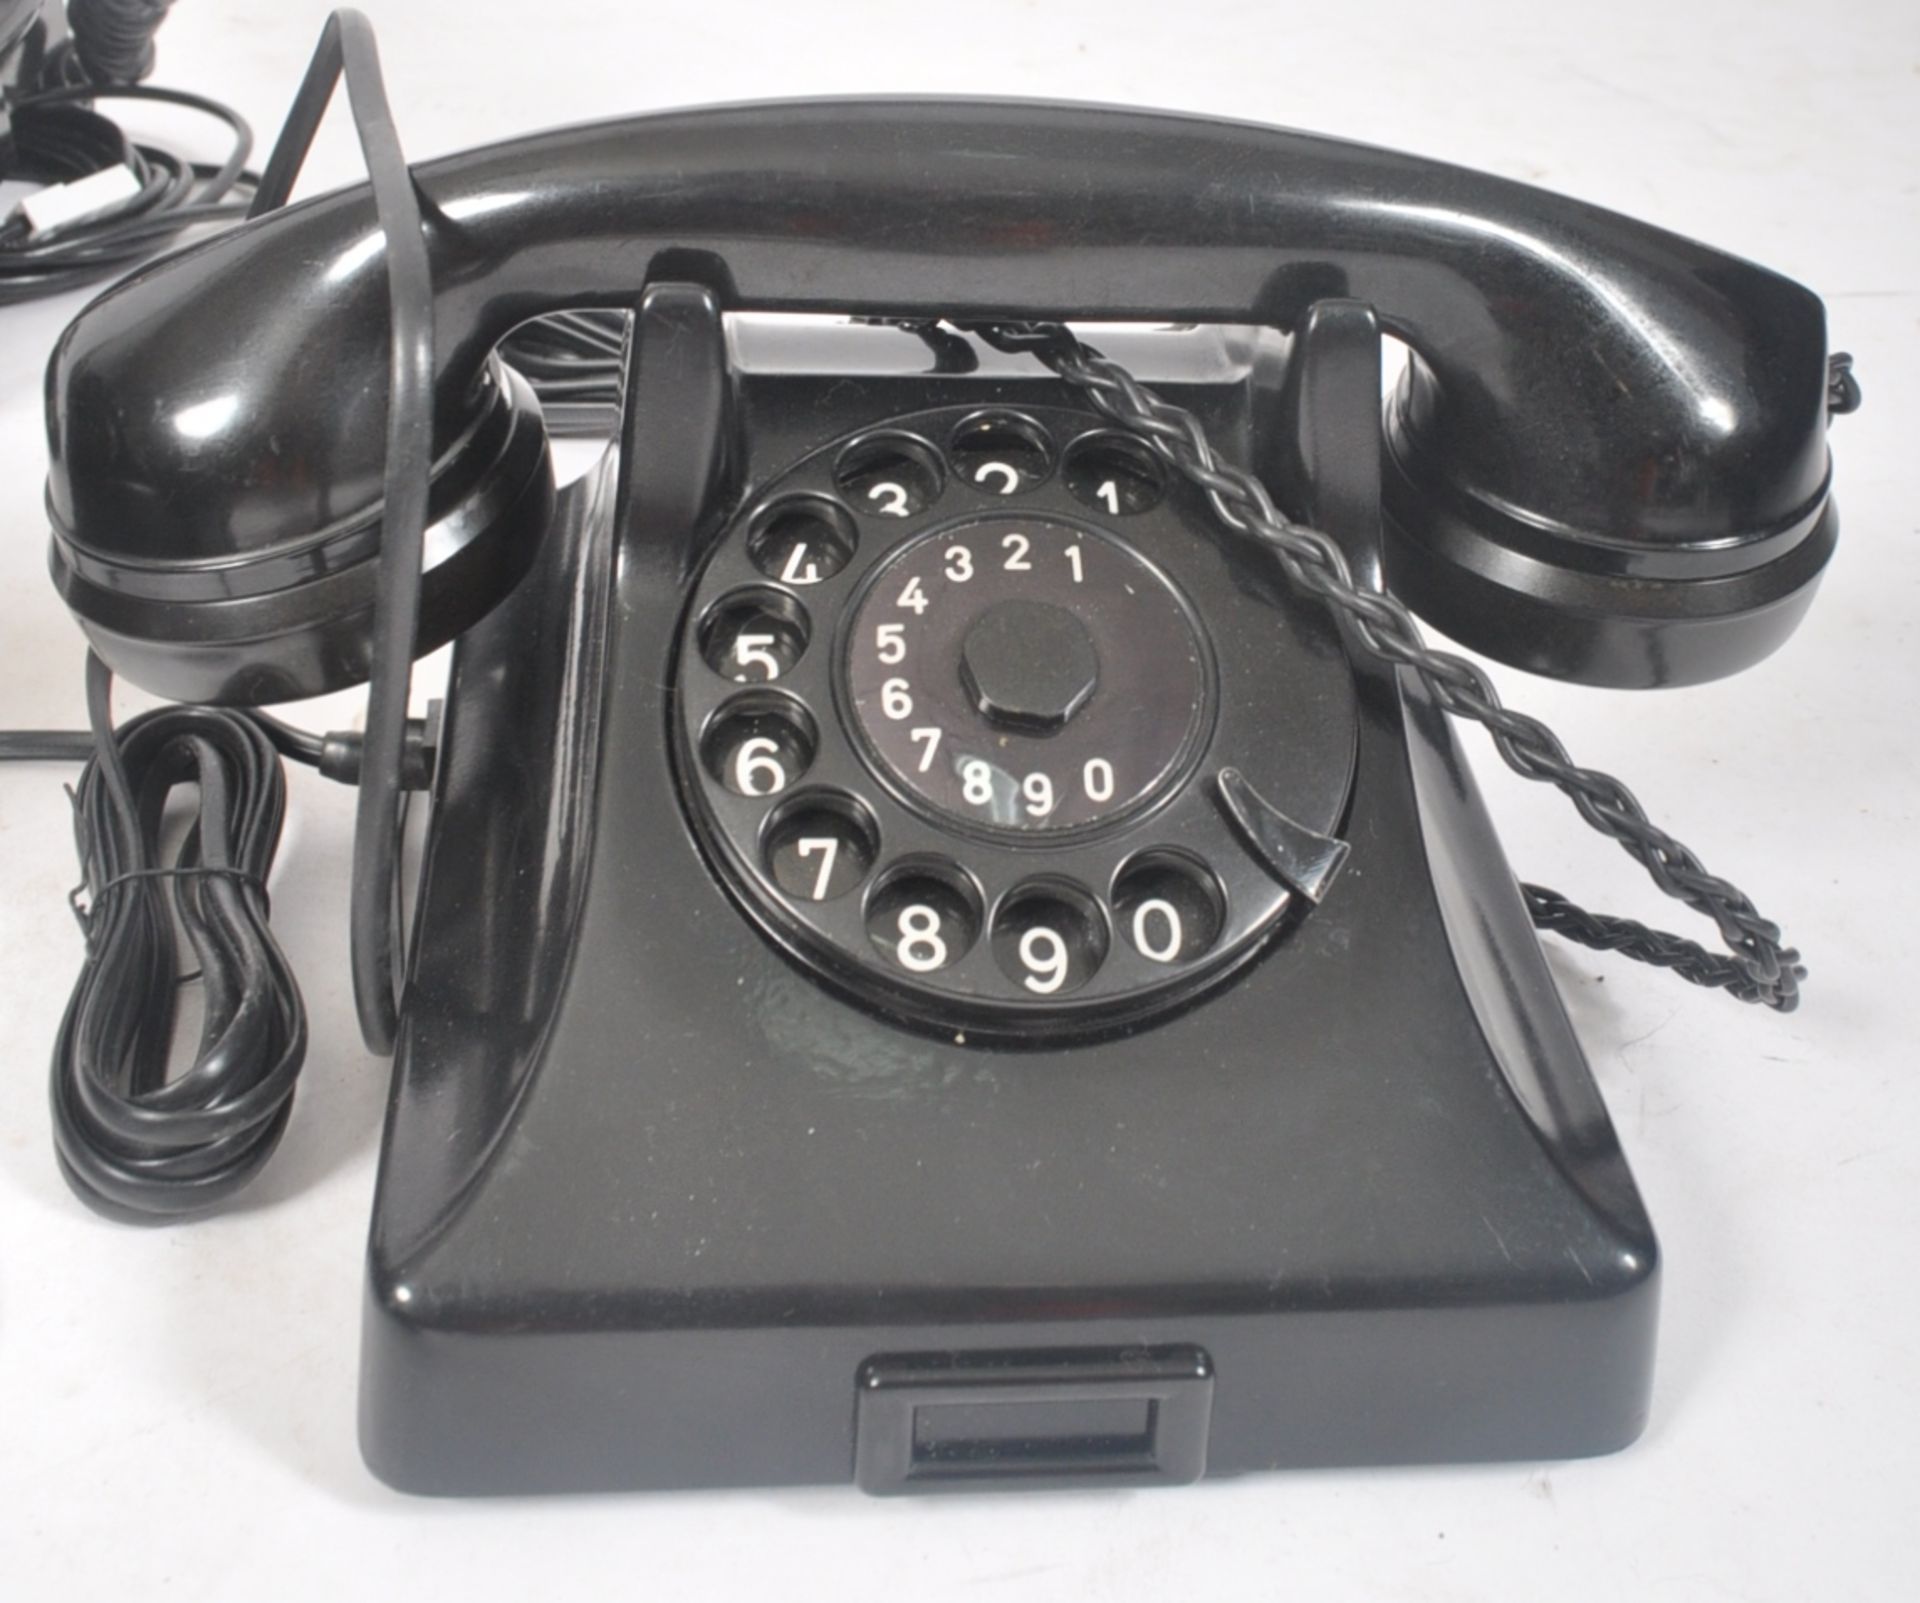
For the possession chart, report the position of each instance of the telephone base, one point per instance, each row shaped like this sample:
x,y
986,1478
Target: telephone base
x,y
657,1208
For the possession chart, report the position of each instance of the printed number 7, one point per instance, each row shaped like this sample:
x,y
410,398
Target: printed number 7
x,y
828,849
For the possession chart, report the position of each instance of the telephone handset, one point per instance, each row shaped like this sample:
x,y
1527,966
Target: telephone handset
x,y
920,827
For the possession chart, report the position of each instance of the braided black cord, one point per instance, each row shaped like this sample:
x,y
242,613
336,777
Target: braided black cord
x,y
1759,968
1605,932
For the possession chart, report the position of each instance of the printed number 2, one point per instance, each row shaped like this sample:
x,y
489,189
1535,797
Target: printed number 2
x,y
892,499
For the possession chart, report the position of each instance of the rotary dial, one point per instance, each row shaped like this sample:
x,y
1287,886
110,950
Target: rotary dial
x,y
974,710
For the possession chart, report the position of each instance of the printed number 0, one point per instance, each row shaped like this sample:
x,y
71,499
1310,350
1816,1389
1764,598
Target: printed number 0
x,y
1143,942
921,949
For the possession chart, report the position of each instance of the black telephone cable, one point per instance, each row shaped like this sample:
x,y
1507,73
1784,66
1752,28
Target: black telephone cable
x,y
134,1141
347,51
59,135
1756,967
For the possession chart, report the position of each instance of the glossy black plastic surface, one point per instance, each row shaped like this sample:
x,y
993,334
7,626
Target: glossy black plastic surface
x,y
1600,418
656,1207
293,618
1193,646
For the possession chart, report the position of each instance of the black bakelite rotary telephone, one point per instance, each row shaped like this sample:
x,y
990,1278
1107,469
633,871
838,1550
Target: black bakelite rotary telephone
x,y
956,943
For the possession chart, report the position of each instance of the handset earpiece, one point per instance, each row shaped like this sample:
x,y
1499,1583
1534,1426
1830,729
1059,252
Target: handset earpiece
x,y
272,600
1608,456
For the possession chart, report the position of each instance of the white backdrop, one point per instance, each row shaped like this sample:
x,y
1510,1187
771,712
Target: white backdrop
x,y
176,1408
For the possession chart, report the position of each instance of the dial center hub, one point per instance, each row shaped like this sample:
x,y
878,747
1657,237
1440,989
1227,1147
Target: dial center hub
x,y
1028,665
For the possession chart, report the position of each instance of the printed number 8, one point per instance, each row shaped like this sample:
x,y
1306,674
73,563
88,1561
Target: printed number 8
x,y
921,950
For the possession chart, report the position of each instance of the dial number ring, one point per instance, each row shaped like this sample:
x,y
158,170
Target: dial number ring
x,y
1121,724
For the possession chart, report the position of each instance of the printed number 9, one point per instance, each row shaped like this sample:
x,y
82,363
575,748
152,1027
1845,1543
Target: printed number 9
x,y
1045,956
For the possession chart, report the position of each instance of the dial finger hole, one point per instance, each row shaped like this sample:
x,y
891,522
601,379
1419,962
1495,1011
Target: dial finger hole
x,y
1168,906
889,475
820,846
1115,474
753,636
802,540
1049,938
924,915
759,745
1001,453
